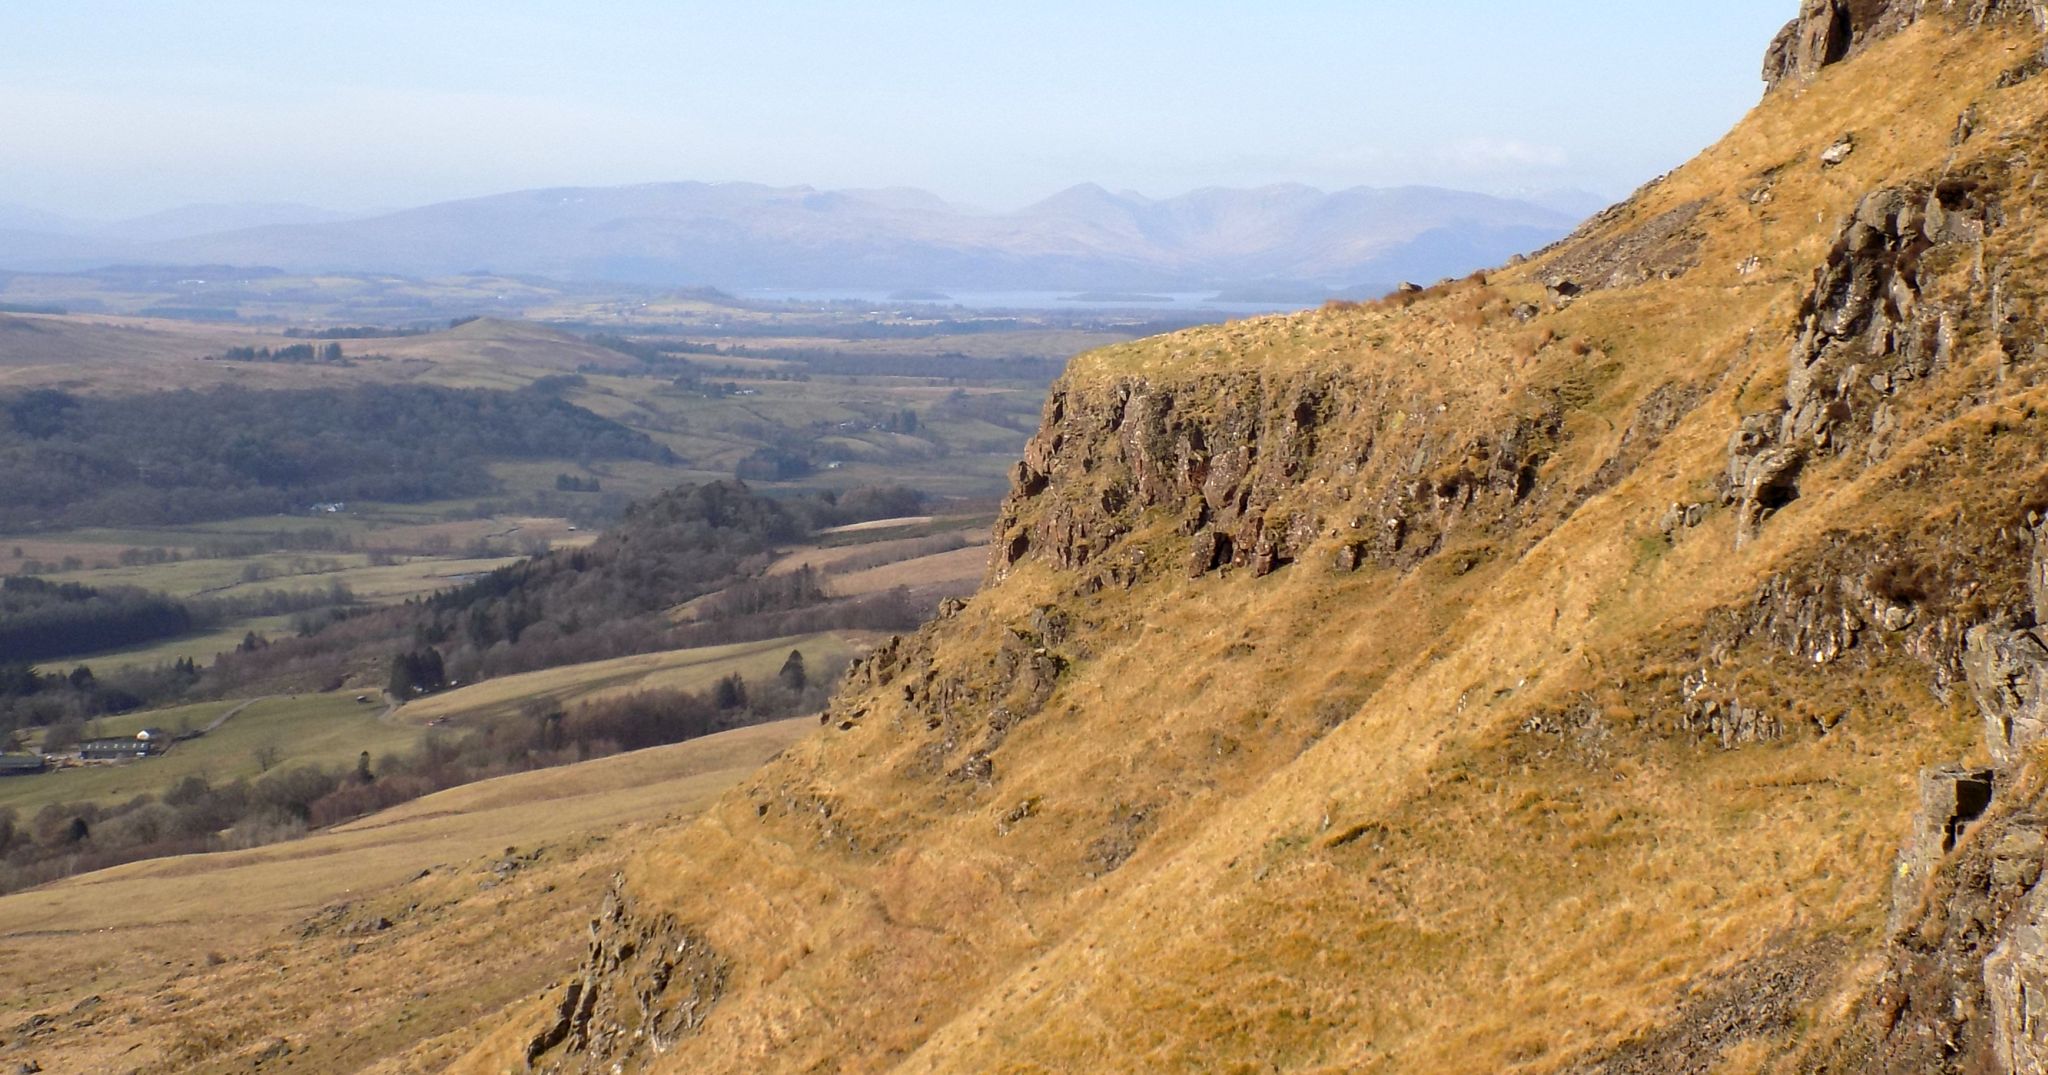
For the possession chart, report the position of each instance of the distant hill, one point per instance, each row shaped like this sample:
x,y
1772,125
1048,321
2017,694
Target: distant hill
x,y
747,235
196,220
27,234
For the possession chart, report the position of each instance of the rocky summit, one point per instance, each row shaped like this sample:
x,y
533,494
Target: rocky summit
x,y
1629,660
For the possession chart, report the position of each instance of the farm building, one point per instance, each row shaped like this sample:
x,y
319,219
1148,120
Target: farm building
x,y
21,764
140,745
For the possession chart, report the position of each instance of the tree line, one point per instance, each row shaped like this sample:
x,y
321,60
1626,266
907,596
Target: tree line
x,y
298,352
198,815
609,599
178,457
612,598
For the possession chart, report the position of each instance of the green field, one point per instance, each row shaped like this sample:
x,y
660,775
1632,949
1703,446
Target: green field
x,y
951,437
316,729
689,670
201,648
333,729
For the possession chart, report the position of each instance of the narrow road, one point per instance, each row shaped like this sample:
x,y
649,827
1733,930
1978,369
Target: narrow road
x,y
230,714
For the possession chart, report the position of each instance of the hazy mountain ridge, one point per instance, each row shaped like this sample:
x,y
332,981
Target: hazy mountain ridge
x,y
750,235
180,222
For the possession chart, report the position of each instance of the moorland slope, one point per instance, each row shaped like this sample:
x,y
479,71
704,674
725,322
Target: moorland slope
x,y
1540,673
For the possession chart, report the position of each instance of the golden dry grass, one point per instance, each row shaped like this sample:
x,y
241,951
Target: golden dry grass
x,y
1360,851
201,962
940,571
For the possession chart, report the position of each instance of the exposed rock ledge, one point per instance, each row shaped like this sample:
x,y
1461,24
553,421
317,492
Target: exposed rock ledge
x,y
1830,31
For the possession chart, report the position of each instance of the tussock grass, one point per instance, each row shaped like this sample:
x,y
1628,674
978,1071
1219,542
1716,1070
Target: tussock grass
x,y
201,962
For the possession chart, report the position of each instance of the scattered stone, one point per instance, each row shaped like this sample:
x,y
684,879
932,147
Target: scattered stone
x,y
1015,814
1681,517
1839,152
2025,72
1409,288
645,983
1758,1000
1604,254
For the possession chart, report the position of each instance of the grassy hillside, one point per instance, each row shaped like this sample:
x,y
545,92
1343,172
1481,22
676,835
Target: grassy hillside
x,y
690,670
205,962
328,730
1349,696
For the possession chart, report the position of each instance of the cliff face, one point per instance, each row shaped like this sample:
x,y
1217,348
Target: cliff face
x,y
1626,662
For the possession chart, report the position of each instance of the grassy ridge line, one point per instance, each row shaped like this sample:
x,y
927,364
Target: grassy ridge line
x,y
690,669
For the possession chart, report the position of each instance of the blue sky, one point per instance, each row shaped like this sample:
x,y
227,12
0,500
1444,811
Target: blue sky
x,y
115,107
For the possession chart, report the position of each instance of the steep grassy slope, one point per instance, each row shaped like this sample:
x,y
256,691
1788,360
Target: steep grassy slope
x,y
379,945
1531,675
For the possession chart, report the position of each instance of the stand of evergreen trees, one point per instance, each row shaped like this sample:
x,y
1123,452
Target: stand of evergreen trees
x,y
195,815
180,457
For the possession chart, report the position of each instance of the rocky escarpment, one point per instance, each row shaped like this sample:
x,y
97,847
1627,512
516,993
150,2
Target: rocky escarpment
x,y
1327,663
1255,471
645,983
1967,987
1906,278
1831,31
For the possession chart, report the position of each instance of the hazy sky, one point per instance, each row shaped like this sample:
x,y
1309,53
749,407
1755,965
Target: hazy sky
x,y
114,107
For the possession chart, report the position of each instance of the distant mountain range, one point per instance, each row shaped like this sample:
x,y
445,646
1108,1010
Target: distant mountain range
x,y
743,235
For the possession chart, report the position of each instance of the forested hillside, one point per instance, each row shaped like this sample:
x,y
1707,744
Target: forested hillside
x,y
180,457
610,599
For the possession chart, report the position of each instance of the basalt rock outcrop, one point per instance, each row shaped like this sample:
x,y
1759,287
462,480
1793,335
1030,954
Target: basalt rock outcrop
x,y
1830,31
1871,328
1254,471
1967,985
644,984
